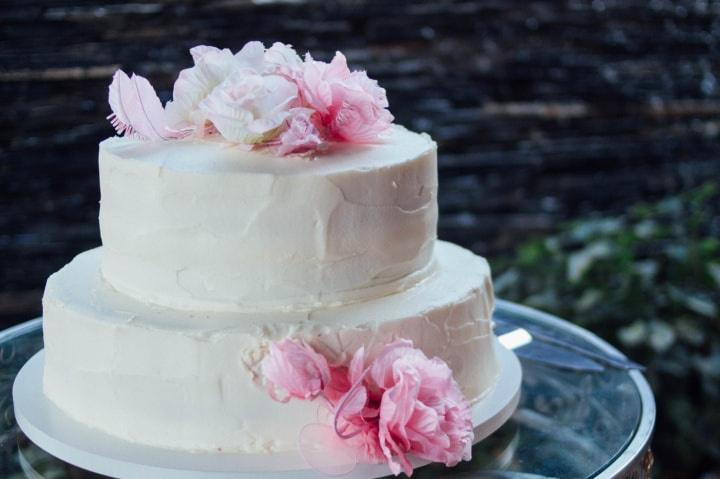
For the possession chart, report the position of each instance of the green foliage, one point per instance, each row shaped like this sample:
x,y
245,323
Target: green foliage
x,y
649,282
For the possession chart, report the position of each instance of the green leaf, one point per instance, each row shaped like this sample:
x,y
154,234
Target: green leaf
x,y
647,270
506,280
645,229
590,229
531,253
589,299
701,305
696,302
678,252
581,261
662,336
690,331
671,206
714,272
634,334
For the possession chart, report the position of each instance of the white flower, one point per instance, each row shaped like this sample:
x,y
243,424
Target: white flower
x,y
279,59
283,60
194,84
251,56
197,86
248,107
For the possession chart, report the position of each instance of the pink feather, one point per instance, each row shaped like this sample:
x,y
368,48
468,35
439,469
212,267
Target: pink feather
x,y
136,108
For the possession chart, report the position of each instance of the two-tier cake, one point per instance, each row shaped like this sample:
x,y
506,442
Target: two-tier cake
x,y
269,217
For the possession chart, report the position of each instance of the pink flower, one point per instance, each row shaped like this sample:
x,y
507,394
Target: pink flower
x,y
401,403
296,368
361,115
350,106
317,80
422,410
301,134
356,408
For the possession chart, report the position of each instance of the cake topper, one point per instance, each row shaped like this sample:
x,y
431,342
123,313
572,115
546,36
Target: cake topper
x,y
258,97
399,403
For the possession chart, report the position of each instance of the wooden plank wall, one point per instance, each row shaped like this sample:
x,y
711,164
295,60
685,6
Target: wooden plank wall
x,y
543,110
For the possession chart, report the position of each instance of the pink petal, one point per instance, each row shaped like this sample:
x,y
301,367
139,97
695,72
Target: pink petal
x,y
355,403
424,420
381,370
338,385
350,406
422,410
351,106
296,368
338,68
357,365
301,135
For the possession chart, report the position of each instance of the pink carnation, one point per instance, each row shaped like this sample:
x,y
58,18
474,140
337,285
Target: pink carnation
x,y
406,404
350,106
401,403
356,409
296,368
301,134
422,410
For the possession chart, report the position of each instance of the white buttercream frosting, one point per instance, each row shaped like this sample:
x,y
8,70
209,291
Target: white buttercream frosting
x,y
202,225
183,379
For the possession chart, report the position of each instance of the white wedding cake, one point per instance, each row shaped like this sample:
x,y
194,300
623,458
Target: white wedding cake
x,y
218,243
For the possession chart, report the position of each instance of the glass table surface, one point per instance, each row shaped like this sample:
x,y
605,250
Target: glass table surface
x,y
568,424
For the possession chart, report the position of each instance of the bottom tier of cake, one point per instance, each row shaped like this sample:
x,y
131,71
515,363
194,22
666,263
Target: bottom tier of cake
x,y
191,380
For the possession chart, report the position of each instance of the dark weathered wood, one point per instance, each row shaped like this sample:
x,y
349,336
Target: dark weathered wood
x,y
544,110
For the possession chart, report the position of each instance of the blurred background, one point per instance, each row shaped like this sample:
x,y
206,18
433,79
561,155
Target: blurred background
x,y
579,151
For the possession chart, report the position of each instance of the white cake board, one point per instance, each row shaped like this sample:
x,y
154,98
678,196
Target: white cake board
x,y
63,437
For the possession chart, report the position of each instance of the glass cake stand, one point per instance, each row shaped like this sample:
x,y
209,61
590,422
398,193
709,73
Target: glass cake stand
x,y
569,424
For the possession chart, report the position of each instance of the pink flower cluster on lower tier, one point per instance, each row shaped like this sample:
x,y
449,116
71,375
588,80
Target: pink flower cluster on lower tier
x,y
264,97
398,404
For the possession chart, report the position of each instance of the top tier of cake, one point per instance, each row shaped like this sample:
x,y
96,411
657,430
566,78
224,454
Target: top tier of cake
x,y
202,225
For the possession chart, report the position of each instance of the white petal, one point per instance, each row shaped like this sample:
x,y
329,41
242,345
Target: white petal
x,y
251,56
